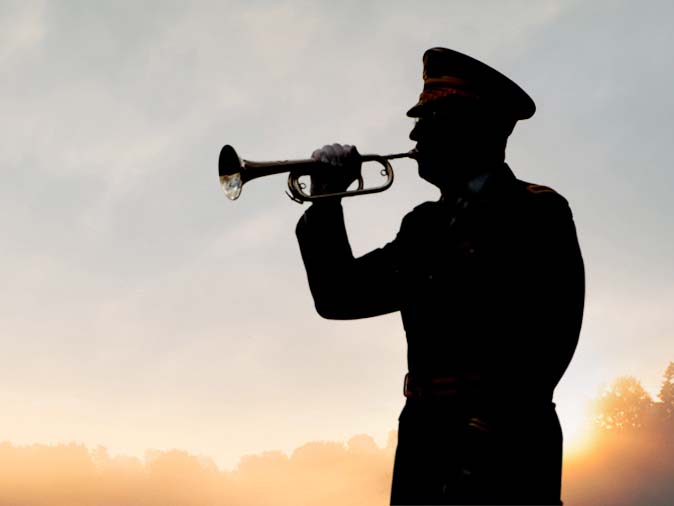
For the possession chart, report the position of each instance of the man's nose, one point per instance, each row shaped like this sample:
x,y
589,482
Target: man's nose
x,y
415,133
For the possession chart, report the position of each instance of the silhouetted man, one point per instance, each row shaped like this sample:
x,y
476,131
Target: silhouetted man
x,y
489,281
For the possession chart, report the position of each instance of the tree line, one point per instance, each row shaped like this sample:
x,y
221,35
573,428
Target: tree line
x,y
626,406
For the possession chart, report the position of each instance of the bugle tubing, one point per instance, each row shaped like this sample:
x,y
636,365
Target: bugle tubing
x,y
234,172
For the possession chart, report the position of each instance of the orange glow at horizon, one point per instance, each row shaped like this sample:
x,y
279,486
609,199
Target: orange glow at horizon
x,y
577,429
319,472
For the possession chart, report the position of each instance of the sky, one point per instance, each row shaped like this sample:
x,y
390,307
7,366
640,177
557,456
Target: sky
x,y
141,309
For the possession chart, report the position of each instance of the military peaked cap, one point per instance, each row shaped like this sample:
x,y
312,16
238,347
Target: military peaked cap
x,y
449,76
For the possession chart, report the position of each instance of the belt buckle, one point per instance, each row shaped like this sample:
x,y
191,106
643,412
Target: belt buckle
x,y
447,386
407,392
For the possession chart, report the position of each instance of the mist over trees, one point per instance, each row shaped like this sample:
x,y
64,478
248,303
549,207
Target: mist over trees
x,y
327,473
627,407
629,461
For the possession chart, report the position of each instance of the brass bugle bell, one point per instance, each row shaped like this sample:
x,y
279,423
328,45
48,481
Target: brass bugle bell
x,y
234,172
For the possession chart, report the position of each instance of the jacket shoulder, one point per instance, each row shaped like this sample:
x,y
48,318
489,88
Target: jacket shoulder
x,y
541,207
424,208
540,196
421,212
420,217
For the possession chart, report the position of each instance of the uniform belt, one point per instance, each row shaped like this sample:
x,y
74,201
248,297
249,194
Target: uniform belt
x,y
440,386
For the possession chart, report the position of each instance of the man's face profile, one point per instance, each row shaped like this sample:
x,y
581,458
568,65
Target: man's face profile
x,y
453,144
445,141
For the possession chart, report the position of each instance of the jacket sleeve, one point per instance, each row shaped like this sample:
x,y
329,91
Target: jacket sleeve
x,y
344,287
552,282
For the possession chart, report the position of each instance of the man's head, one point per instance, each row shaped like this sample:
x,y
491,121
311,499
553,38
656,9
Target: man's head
x,y
465,114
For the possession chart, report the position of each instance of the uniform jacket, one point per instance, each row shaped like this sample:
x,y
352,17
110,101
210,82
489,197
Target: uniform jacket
x,y
488,283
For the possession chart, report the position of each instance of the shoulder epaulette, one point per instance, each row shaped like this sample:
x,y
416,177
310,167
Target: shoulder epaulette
x,y
541,194
538,188
544,197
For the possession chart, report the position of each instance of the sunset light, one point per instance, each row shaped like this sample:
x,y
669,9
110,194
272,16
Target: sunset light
x,y
161,344
578,431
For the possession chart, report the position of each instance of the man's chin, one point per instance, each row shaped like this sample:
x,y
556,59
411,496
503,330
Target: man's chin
x,y
441,177
432,179
433,172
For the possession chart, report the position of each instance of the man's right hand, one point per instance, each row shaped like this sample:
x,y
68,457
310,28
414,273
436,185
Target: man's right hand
x,y
343,165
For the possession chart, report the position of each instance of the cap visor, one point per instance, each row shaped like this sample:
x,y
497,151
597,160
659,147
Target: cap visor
x,y
416,111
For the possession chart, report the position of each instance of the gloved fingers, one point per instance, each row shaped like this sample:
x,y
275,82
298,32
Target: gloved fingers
x,y
336,154
352,152
332,154
347,153
322,154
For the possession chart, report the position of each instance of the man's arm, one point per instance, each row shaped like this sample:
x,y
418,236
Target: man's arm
x,y
344,287
551,284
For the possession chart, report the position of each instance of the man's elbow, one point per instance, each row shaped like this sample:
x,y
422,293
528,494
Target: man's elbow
x,y
340,310
338,306
330,310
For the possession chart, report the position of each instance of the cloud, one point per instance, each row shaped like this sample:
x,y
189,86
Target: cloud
x,y
22,28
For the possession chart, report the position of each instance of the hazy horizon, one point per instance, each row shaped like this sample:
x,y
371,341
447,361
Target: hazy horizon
x,y
142,309
626,460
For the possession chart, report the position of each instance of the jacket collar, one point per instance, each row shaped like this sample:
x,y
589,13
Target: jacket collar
x,y
482,184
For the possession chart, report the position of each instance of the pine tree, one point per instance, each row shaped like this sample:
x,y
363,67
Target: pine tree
x,y
666,394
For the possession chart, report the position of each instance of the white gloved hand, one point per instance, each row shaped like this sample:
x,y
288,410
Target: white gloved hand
x,y
346,162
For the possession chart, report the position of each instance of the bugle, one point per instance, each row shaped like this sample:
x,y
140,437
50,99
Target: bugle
x,y
234,172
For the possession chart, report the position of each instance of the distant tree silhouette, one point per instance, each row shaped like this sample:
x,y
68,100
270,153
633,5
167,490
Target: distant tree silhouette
x,y
632,461
666,394
624,406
